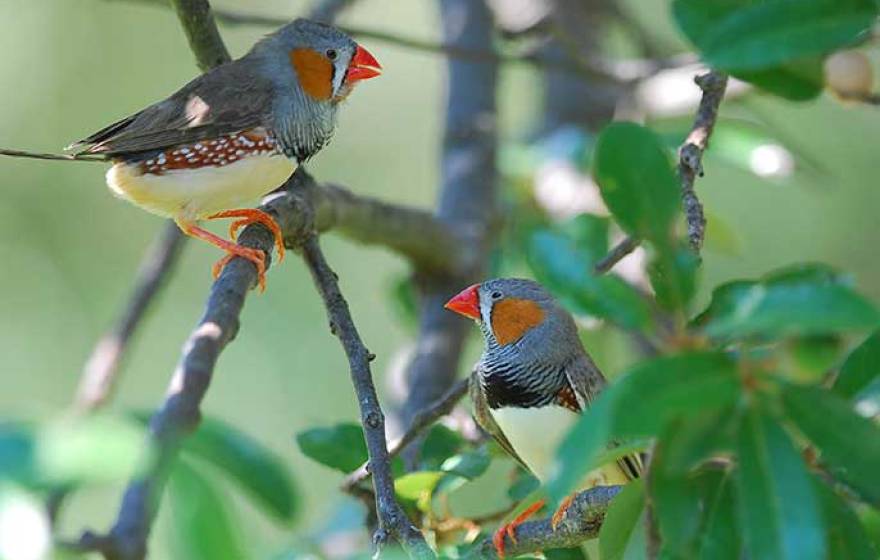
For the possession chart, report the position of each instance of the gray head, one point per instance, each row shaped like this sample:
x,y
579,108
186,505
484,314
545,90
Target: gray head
x,y
314,67
519,317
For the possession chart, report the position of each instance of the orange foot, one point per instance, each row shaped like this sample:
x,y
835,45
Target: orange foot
x,y
559,514
509,530
251,216
233,250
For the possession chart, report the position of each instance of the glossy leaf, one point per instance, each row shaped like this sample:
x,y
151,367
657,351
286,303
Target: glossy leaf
x,y
673,277
779,510
640,404
415,485
747,35
468,465
18,452
567,271
622,521
796,80
806,300
523,485
341,447
202,528
846,536
847,442
718,537
440,444
860,369
678,492
252,466
637,182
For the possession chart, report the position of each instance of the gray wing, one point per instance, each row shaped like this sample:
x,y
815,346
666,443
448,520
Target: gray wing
x,y
228,99
587,381
483,416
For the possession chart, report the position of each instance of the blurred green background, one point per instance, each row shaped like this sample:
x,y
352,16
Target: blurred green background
x,y
70,249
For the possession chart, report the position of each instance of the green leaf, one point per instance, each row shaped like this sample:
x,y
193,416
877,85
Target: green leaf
x,y
92,449
416,485
523,485
678,492
661,390
622,521
747,35
468,465
805,300
341,447
201,525
589,233
810,358
673,277
779,511
567,272
860,369
846,441
252,466
574,553
718,538
17,452
846,536
637,182
796,80
440,444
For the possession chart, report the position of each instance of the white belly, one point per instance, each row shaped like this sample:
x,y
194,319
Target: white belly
x,y
193,194
535,433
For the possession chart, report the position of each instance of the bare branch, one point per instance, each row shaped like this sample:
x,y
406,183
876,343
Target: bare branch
x,y
393,521
690,164
468,202
582,521
201,32
99,374
616,254
328,10
423,420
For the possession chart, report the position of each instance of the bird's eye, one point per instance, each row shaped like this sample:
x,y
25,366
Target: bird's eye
x,y
332,54
496,295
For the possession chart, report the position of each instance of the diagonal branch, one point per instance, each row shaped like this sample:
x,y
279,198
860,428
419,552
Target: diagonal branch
x,y
468,202
690,164
423,420
100,372
393,522
582,521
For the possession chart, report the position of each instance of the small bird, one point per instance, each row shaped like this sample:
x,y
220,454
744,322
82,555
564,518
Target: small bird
x,y
532,381
235,133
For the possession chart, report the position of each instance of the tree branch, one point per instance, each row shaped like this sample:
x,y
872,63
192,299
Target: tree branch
x,y
423,420
582,521
201,32
690,164
393,521
98,378
468,202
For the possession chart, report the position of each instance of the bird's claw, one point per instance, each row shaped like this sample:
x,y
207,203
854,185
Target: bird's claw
x,y
509,530
255,256
559,514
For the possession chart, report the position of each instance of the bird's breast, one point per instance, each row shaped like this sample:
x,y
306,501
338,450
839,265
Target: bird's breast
x,y
535,433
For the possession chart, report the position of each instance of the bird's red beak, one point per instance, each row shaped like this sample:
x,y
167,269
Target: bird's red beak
x,y
466,303
363,66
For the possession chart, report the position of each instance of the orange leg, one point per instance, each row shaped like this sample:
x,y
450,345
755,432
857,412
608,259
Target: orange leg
x,y
254,255
559,514
509,530
249,216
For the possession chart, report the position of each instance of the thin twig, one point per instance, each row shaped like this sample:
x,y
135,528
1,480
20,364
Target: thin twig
x,y
420,422
393,522
53,157
690,154
582,521
100,372
616,254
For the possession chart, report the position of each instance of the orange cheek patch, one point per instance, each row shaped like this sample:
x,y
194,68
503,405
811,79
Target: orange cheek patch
x,y
314,71
512,318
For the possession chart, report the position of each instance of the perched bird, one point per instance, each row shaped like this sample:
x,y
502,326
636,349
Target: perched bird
x,y
532,381
235,133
